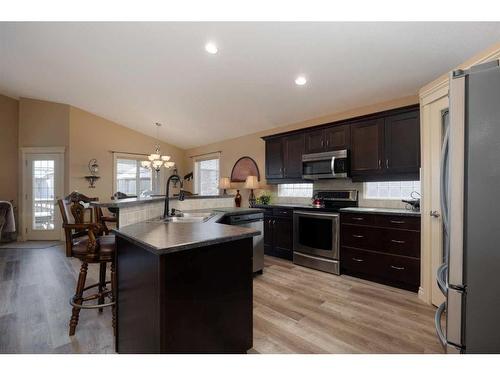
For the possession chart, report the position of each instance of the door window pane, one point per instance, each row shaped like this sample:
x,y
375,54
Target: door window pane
x,y
43,195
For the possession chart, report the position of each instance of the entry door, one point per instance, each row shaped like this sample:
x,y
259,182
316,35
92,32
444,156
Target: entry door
x,y
44,186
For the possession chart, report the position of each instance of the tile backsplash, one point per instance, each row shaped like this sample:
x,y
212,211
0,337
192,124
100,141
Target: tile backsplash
x,y
339,184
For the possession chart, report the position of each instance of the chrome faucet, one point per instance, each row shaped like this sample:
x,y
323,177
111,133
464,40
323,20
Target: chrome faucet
x,y
173,177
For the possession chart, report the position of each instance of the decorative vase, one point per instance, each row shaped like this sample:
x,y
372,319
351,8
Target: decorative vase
x,y
237,199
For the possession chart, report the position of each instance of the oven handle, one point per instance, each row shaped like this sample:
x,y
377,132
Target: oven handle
x,y
306,213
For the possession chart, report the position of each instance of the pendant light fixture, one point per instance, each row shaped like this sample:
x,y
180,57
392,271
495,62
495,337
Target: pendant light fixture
x,y
157,160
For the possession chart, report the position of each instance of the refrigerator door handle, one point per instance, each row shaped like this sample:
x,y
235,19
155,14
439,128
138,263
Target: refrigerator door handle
x,y
441,278
437,321
444,196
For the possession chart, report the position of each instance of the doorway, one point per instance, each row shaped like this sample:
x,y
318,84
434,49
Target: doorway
x,y
43,185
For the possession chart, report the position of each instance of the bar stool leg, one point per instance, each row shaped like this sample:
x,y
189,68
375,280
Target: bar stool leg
x,y
78,298
113,294
102,283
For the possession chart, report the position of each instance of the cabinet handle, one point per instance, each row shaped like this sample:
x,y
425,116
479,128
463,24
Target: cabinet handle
x,y
322,143
397,221
358,218
358,236
398,241
387,163
379,163
358,260
397,268
327,142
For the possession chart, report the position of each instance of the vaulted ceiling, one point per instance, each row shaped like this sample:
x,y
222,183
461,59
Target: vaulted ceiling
x,y
140,73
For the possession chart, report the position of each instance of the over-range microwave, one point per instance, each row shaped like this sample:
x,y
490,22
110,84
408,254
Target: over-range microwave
x,y
333,164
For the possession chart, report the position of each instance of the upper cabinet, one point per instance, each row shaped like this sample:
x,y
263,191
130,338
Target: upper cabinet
x,y
327,139
274,159
402,143
284,158
367,148
383,147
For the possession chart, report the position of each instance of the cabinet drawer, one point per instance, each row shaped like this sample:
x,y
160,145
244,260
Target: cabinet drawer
x,y
393,241
398,222
283,212
357,219
360,236
390,268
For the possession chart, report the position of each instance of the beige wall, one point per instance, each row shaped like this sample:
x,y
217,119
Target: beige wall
x,y
45,124
91,136
252,145
9,126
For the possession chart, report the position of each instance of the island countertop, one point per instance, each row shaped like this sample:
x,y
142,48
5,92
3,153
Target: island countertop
x,y
161,237
129,202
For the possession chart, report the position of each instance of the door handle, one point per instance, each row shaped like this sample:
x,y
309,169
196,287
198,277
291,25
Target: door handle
x,y
397,268
437,322
358,260
398,241
434,213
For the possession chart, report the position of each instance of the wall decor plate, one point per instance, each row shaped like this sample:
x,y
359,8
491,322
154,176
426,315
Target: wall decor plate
x,y
244,167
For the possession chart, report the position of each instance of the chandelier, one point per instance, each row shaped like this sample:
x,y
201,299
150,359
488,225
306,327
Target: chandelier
x,y
156,160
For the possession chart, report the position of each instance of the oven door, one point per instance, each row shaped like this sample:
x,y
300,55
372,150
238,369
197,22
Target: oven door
x,y
316,233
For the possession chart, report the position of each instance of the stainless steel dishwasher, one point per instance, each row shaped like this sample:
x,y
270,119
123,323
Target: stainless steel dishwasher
x,y
254,221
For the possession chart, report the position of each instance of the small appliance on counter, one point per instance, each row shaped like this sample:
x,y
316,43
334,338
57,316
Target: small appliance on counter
x,y
316,230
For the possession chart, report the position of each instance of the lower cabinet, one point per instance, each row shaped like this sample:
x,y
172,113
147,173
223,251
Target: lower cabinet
x,y
278,233
381,248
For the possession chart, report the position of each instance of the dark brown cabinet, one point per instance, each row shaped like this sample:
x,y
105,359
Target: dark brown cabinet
x,y
278,235
402,143
383,147
293,146
367,147
382,248
274,158
327,139
284,158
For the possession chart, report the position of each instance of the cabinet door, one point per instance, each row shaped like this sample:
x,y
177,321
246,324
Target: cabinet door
x,y
367,143
402,143
293,146
268,231
283,235
315,141
274,158
337,137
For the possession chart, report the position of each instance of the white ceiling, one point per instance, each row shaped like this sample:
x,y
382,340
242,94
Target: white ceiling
x,y
139,73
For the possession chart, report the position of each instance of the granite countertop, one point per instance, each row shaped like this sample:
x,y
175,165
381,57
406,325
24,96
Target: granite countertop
x,y
129,202
161,237
389,211
284,205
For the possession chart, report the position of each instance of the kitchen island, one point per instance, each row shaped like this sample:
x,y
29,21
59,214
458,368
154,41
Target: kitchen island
x,y
184,287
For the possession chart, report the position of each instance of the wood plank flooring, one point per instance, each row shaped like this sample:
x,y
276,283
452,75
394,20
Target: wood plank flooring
x,y
296,310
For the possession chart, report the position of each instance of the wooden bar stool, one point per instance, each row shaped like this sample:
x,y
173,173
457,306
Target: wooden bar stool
x,y
86,242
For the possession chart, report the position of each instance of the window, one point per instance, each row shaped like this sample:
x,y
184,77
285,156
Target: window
x,y
132,178
206,176
391,190
295,190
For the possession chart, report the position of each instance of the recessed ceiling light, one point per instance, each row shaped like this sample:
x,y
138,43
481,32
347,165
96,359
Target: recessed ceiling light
x,y
211,48
300,80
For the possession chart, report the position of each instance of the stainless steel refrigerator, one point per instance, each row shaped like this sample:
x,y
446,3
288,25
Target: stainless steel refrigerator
x,y
470,180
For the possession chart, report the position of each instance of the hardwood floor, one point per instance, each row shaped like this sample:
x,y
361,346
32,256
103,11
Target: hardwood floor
x,y
296,310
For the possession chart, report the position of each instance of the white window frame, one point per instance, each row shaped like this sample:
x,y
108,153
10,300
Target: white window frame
x,y
295,187
366,196
211,156
157,178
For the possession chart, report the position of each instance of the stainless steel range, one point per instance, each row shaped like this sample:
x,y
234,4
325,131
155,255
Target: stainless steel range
x,y
316,230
